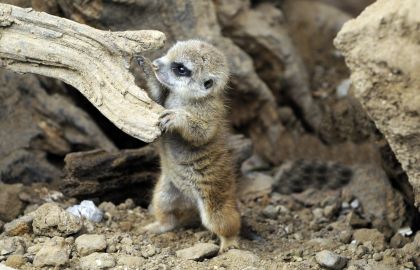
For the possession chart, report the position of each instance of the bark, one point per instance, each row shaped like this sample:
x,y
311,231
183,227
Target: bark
x,y
93,61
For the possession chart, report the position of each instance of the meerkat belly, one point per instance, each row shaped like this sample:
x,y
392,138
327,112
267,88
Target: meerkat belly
x,y
192,167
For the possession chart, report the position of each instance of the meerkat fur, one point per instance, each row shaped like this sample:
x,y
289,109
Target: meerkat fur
x,y
197,169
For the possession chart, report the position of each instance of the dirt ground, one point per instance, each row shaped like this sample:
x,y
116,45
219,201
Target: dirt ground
x,y
280,232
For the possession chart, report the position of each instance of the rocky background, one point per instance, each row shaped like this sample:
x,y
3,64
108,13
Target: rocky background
x,y
319,184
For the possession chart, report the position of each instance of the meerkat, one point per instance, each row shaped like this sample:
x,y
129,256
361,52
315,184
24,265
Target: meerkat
x,y
197,169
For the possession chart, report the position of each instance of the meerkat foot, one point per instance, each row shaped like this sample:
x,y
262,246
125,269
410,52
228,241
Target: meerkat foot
x,y
158,228
228,243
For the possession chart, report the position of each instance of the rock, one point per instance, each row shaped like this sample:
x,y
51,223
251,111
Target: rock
x,y
382,205
243,256
86,209
271,211
12,245
89,243
15,261
330,260
52,220
43,122
370,235
385,68
345,236
19,226
55,252
96,261
148,251
398,241
355,220
10,204
255,185
130,262
198,252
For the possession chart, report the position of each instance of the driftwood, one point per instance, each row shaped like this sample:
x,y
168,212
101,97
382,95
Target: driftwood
x,y
115,175
93,61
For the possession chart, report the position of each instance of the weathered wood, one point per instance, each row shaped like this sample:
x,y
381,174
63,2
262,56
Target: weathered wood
x,y
93,61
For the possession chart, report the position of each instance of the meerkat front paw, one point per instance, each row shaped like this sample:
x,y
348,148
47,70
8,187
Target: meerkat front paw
x,y
170,119
145,64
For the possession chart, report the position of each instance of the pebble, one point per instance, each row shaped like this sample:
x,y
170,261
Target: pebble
x,y
345,236
96,261
20,226
354,220
377,257
88,210
54,252
330,260
131,262
370,235
15,261
398,241
271,211
12,245
89,243
52,220
198,252
148,251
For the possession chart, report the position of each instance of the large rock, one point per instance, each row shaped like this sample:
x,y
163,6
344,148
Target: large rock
x,y
35,125
382,49
96,261
198,252
52,220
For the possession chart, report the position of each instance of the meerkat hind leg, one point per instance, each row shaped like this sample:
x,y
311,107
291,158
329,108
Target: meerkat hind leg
x,y
224,222
169,207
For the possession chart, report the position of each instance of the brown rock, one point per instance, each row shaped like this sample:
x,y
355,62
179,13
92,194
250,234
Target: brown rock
x,y
52,220
10,204
385,68
15,261
370,235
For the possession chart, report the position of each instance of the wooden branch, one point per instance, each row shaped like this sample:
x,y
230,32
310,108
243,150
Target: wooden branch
x,y
93,61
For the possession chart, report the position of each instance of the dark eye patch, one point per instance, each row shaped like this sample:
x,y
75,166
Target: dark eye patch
x,y
208,84
180,70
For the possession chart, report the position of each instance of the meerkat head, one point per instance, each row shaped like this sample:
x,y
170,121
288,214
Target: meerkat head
x,y
193,69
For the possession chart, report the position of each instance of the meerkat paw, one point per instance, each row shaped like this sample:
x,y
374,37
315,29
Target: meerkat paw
x,y
145,64
228,243
158,228
170,119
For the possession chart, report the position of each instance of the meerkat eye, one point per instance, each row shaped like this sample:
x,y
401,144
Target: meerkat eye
x,y
208,84
180,70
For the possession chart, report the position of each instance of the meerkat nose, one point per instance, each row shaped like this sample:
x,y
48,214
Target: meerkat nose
x,y
156,64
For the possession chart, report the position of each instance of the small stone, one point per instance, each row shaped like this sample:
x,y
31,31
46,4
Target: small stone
x,y
355,221
19,226
126,226
255,185
96,261
246,257
330,210
198,252
377,257
12,245
345,236
318,214
10,204
370,235
270,211
54,252
89,243
398,241
52,220
360,251
330,260
15,261
131,262
88,210
148,251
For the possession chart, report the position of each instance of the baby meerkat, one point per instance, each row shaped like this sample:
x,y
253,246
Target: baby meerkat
x,y
197,169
